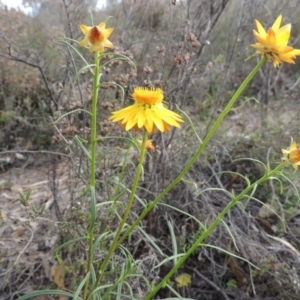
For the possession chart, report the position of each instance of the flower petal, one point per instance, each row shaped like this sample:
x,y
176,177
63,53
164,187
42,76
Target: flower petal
x,y
108,44
277,23
102,25
84,42
293,146
108,32
260,29
85,29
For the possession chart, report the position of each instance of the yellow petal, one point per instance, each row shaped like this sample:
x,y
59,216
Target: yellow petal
x,y
295,52
99,48
108,44
158,122
259,47
149,126
271,37
287,59
283,49
149,123
285,152
260,29
102,25
283,38
130,124
84,42
141,119
277,23
293,146
295,156
108,32
285,28
85,29
260,40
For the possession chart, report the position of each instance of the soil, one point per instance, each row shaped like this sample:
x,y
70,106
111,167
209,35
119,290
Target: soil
x,y
29,233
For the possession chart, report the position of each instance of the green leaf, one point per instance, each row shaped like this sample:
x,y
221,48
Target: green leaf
x,y
48,292
79,142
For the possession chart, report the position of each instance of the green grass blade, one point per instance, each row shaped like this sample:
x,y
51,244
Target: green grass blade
x,y
78,141
93,207
48,292
76,295
174,242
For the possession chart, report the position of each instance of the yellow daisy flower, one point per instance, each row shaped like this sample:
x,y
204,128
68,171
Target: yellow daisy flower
x,y
273,43
292,155
96,37
147,112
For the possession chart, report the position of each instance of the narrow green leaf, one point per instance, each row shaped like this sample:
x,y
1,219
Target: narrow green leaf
x,y
76,295
48,292
174,242
78,141
65,41
93,208
81,70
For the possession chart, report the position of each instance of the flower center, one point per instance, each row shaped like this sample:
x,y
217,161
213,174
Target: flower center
x,y
96,36
147,96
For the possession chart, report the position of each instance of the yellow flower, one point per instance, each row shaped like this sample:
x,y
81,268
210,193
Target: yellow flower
x,y
147,112
183,280
273,44
292,155
96,37
149,144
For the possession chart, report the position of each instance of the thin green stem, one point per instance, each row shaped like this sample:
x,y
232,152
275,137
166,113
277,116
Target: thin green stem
x,y
198,152
93,142
208,231
94,119
115,244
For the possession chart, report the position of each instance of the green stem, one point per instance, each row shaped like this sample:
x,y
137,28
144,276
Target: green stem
x,y
198,152
93,141
208,231
115,243
96,86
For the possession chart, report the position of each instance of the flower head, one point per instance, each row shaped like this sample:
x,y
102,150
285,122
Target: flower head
x,y
147,112
273,43
96,37
183,280
149,144
292,155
